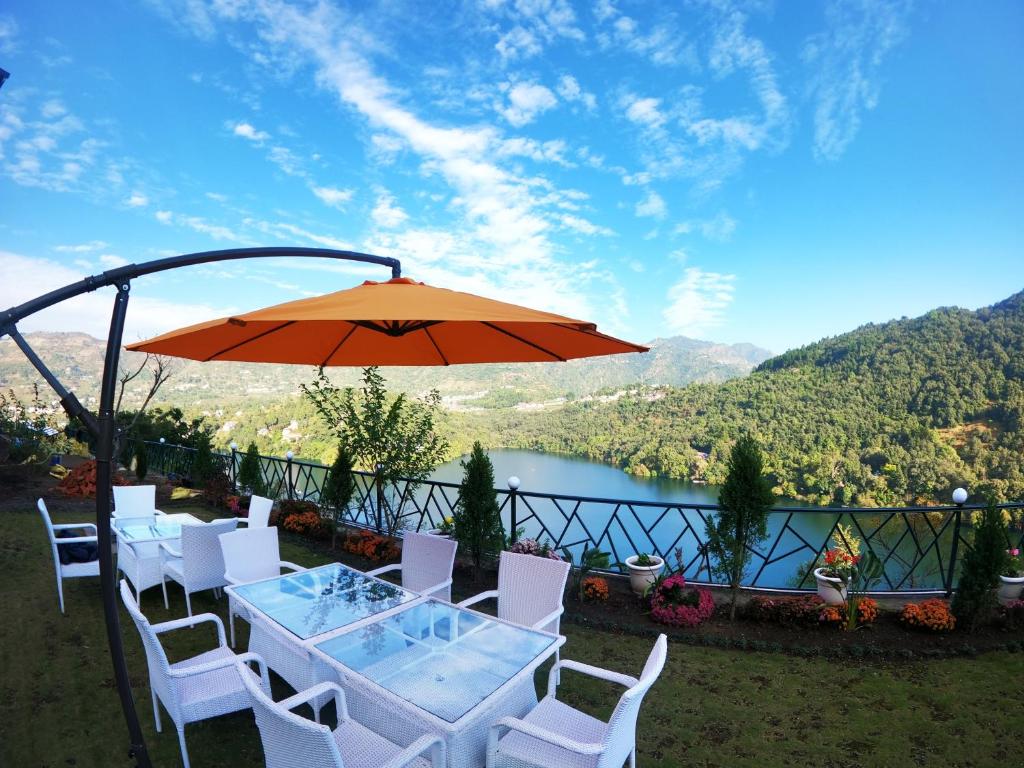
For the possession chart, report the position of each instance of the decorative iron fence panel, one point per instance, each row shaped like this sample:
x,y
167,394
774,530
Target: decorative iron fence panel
x,y
921,547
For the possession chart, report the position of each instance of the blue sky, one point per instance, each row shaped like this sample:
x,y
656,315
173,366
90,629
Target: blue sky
x,y
759,172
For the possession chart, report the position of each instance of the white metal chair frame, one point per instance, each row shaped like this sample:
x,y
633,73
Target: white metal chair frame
x,y
250,555
427,563
615,740
199,564
198,688
259,512
292,741
71,570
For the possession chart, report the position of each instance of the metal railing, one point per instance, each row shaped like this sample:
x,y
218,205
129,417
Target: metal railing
x,y
921,547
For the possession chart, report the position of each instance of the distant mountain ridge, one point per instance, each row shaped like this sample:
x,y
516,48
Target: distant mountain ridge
x,y
76,358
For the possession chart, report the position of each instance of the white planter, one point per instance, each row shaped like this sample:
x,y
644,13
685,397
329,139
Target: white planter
x,y
642,576
1009,589
830,589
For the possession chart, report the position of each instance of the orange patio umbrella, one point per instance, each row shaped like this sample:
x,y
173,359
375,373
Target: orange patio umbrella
x,y
397,322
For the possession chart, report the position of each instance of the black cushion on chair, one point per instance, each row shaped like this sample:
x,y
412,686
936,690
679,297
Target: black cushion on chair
x,y
79,551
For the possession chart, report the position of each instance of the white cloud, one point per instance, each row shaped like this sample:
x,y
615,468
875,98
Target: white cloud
x,y
110,260
652,205
666,44
525,102
518,43
25,277
336,198
8,34
203,227
645,111
137,200
720,227
247,131
569,89
698,302
53,108
845,61
90,247
386,213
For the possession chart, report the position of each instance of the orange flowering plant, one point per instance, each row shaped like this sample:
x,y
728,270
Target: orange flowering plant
x,y
595,588
933,615
370,545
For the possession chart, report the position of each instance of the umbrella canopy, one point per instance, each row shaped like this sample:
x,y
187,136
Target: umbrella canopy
x,y
398,322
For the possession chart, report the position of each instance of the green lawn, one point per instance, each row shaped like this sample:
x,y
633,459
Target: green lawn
x,y
58,706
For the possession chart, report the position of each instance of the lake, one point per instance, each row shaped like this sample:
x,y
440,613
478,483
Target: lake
x,y
628,529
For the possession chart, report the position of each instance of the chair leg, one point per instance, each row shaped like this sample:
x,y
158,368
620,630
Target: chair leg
x,y
632,758
188,604
184,749
163,585
231,621
156,711
60,593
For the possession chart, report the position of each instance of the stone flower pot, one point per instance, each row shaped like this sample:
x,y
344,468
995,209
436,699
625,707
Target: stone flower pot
x,y
831,589
1009,589
642,576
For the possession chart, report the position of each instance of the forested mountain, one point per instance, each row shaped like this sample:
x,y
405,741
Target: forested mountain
x,y
902,411
77,360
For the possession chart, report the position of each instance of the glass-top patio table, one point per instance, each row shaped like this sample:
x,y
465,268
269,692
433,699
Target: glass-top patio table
x,y
135,530
435,668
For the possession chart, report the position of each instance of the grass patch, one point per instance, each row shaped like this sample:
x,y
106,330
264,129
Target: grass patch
x,y
712,707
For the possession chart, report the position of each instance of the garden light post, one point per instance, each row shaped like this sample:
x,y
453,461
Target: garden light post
x,y
513,492
959,498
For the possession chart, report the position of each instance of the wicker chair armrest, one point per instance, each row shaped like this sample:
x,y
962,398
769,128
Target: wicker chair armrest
x,y
315,691
626,681
423,744
385,569
66,526
76,540
290,566
190,621
436,588
159,512
553,616
165,547
491,593
536,732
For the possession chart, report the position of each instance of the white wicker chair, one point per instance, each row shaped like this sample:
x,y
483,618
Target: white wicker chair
x,y
71,570
250,555
198,688
259,512
135,501
554,734
426,566
199,564
292,741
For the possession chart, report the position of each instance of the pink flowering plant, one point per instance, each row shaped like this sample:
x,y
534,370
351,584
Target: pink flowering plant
x,y
534,547
1014,564
674,604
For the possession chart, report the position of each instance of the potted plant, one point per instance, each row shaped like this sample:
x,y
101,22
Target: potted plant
x,y
1011,580
834,576
445,529
643,571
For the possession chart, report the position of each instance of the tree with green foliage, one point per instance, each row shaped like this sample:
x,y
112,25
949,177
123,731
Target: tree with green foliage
x,y
250,473
141,460
203,467
339,485
478,527
742,523
980,569
394,437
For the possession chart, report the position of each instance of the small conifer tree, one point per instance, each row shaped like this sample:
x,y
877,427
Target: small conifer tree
x,y
141,461
250,473
742,522
202,462
980,570
338,489
478,527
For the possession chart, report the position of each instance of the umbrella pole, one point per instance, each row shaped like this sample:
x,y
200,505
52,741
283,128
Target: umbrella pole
x,y
104,475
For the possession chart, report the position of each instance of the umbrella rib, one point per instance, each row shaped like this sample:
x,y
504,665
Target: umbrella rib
x,y
432,341
595,333
524,341
233,347
338,346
